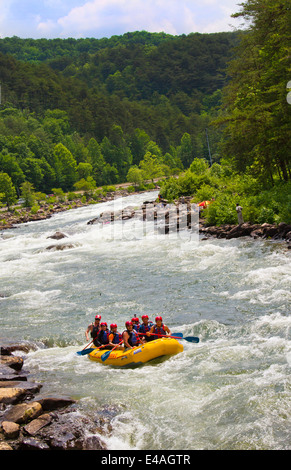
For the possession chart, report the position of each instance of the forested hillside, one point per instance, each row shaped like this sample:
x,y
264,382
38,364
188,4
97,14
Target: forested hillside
x,y
81,113
255,116
96,108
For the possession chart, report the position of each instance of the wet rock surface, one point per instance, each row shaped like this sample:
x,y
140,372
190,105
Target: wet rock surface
x,y
45,423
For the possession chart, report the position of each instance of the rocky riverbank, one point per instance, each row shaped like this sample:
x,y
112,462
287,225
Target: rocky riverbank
x,y
174,217
20,215
30,420
279,232
184,215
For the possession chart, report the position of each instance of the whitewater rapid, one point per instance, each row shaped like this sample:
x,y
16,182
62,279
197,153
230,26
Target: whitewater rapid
x,y
229,391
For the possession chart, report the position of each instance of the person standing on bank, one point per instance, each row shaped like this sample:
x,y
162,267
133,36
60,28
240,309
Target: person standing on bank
x,y
239,214
94,329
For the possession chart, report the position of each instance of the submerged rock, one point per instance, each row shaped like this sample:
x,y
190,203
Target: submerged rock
x,y
61,247
58,236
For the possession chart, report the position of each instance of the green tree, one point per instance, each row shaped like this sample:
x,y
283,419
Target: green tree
x,y
138,143
10,165
257,115
65,167
31,167
116,151
7,190
151,166
87,184
135,175
97,161
199,166
27,193
185,151
84,170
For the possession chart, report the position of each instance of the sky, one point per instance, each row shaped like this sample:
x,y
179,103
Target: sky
x,y
105,18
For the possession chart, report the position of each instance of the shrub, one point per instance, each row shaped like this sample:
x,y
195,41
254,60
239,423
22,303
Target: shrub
x,y
34,209
130,189
72,196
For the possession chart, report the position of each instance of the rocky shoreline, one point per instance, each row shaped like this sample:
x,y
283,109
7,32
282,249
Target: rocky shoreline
x,y
180,215
10,220
32,421
275,232
279,232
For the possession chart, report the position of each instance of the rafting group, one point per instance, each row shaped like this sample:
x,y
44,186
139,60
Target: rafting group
x,y
135,333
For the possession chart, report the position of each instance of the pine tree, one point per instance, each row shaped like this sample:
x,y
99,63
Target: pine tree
x,y
257,114
7,190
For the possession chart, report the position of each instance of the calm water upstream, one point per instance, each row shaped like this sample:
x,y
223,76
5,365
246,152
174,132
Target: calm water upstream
x,y
232,390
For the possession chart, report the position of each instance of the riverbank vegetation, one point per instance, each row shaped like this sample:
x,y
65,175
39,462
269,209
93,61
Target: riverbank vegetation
x,y
254,118
207,111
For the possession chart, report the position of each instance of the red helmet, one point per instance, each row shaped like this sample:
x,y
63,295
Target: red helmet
x,y
128,323
145,316
159,318
135,319
98,317
113,325
104,324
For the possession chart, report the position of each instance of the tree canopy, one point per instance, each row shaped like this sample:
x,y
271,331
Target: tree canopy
x,y
88,107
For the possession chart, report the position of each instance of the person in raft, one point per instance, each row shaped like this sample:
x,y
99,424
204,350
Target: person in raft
x,y
93,329
135,323
114,337
145,327
130,336
159,329
102,337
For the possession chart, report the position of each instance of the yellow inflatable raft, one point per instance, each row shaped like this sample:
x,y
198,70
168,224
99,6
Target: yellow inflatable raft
x,y
140,354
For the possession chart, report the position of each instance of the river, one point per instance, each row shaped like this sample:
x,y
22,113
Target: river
x,y
230,391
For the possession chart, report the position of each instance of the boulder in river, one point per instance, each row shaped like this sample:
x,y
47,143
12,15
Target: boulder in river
x,y
58,236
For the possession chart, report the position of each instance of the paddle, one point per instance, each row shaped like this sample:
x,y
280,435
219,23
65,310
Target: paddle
x,y
87,351
191,339
107,354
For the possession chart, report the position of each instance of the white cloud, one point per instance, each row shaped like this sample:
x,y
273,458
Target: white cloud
x,y
107,17
97,18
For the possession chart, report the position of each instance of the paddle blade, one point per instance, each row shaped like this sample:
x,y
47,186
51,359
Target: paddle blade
x,y
85,351
105,356
192,339
178,334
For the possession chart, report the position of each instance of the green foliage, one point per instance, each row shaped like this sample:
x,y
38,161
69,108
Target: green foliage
x,y
199,166
27,193
87,184
257,116
105,101
34,209
152,166
7,190
135,175
88,113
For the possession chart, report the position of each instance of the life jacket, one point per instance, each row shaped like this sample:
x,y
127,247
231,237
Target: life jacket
x,y
136,327
103,337
117,337
95,331
133,339
159,330
145,328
